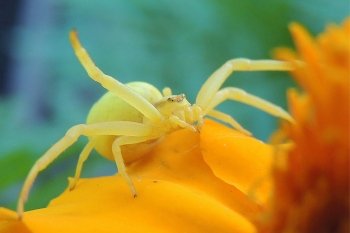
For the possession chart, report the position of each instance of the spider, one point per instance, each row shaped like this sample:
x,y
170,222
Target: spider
x,y
130,118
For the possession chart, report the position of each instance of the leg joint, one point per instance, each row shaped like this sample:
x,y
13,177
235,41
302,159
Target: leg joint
x,y
74,132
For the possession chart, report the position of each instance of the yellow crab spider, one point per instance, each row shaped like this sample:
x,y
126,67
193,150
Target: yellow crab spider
x,y
125,123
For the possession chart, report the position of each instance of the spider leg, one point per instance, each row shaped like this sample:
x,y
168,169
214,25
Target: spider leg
x,y
215,81
239,95
228,119
183,124
82,158
72,135
111,84
127,140
167,91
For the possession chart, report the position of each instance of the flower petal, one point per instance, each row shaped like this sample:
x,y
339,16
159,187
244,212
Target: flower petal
x,y
9,222
237,159
177,192
105,205
311,190
178,159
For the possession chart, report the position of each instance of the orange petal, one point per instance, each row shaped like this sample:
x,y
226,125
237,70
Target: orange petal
x,y
237,159
305,44
9,222
178,159
106,205
177,192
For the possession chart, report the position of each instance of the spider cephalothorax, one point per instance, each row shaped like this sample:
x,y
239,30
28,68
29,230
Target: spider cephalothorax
x,y
178,113
136,115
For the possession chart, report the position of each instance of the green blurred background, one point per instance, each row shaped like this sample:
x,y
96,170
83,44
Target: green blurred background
x,y
44,89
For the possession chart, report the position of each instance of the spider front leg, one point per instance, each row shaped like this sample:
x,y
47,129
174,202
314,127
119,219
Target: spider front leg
x,y
232,93
72,135
215,81
111,84
228,119
183,124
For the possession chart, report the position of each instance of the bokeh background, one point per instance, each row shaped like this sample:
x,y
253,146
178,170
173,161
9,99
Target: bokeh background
x,y
44,90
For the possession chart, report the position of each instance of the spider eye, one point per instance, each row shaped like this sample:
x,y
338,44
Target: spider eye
x,y
176,98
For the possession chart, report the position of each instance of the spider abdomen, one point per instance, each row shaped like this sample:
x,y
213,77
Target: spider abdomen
x,y
112,108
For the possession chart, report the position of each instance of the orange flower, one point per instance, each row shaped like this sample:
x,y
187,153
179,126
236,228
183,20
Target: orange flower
x,y
312,189
189,183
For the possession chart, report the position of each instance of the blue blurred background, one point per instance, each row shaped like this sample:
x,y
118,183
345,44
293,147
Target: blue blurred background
x,y
44,90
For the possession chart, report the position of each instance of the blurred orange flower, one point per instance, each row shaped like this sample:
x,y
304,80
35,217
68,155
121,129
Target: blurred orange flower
x,y
311,192
189,183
